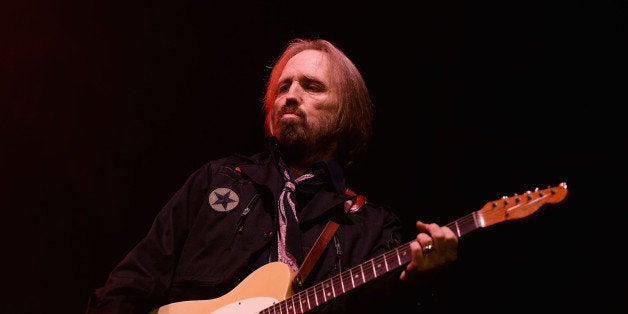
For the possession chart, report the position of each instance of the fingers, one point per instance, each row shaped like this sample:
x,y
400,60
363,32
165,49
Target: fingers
x,y
434,246
435,231
424,240
432,239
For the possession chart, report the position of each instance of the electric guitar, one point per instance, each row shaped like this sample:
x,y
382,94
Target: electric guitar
x,y
269,288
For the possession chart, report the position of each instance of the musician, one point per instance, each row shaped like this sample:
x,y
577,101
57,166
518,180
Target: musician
x,y
239,214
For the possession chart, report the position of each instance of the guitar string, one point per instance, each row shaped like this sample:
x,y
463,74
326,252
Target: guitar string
x,y
365,276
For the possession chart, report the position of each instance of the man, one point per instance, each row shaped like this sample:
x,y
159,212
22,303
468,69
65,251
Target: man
x,y
237,214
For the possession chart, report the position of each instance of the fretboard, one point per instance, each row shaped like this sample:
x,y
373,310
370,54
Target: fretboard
x,y
506,208
335,286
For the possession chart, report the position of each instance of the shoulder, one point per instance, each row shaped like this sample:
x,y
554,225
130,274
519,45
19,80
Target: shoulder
x,y
374,213
240,159
203,175
233,161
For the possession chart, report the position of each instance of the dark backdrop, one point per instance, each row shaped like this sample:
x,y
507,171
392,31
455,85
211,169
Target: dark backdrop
x,y
108,106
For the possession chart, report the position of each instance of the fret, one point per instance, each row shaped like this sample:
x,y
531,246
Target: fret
x,y
305,299
352,281
476,218
316,295
362,273
467,224
300,303
457,228
377,267
390,259
398,257
386,263
370,271
342,284
288,306
309,299
373,266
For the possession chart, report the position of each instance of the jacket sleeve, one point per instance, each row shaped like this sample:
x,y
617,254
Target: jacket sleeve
x,y
138,283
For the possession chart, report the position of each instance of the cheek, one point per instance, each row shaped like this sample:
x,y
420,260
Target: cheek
x,y
323,119
272,114
325,103
326,110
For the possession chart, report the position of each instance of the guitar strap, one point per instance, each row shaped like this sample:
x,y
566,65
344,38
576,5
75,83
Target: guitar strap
x,y
351,206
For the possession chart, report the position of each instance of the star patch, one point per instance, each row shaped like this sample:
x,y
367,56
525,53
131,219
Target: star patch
x,y
223,199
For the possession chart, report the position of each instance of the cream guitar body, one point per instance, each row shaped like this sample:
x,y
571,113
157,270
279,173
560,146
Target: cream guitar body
x,y
264,287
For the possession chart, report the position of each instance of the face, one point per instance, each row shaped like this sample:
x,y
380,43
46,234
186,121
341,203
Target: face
x,y
304,113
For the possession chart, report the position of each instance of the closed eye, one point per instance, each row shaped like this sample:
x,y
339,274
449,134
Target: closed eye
x,y
307,84
314,86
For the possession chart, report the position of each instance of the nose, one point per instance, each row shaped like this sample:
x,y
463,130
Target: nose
x,y
294,92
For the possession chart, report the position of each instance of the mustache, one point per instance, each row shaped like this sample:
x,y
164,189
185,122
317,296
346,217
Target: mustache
x,y
287,109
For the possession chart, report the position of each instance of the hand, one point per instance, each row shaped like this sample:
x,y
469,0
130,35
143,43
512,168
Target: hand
x,y
434,246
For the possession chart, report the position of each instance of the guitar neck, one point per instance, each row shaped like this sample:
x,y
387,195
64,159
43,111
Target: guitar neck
x,y
335,286
506,208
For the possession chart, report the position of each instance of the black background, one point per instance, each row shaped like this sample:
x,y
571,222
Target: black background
x,y
108,106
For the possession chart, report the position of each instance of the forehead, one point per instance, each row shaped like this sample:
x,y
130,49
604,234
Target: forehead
x,y
307,62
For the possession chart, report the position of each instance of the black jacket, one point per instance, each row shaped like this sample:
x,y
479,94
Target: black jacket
x,y
220,226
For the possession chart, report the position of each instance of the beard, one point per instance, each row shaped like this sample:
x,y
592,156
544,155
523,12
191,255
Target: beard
x,y
300,142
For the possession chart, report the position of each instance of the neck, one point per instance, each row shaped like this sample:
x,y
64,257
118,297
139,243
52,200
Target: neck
x,y
297,171
298,166
300,156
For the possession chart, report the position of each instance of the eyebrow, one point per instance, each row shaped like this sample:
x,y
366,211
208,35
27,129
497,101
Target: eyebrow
x,y
301,78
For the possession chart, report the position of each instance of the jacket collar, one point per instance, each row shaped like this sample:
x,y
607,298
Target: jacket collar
x,y
264,171
331,166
